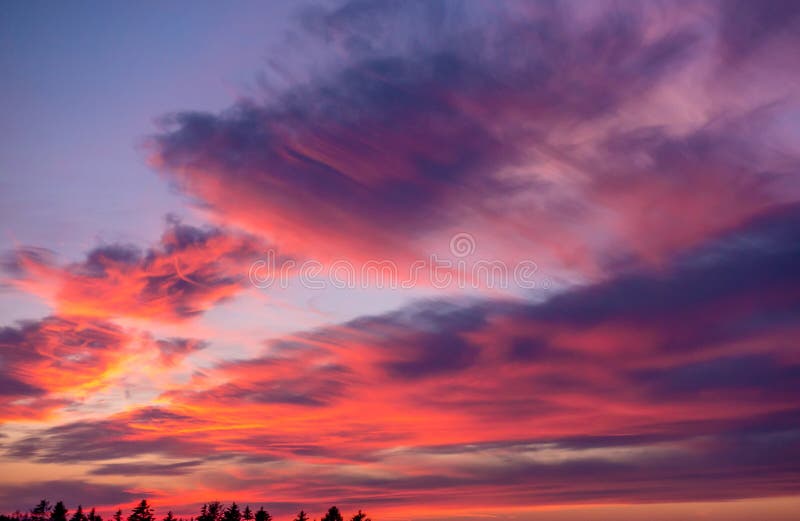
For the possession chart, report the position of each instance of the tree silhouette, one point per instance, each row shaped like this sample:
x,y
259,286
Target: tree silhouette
x,y
333,515
142,512
78,515
263,515
59,512
232,513
211,512
41,511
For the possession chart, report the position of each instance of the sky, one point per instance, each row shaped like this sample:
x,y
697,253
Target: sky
x,y
434,260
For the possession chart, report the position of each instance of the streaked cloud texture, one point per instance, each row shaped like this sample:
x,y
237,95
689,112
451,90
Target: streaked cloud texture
x,y
644,156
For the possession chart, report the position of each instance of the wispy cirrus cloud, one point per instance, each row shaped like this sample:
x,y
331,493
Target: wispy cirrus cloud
x,y
186,272
59,361
542,127
674,384
92,493
647,151
173,350
41,359
145,430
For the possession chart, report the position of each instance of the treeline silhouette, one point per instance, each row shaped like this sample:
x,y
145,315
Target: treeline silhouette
x,y
143,511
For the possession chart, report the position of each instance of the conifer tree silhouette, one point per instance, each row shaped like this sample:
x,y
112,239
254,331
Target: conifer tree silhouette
x,y
41,511
142,512
59,512
215,510
232,513
79,515
263,515
333,515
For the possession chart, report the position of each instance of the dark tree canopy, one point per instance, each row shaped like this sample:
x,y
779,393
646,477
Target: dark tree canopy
x,y
211,512
232,513
41,511
79,515
361,516
263,515
142,512
333,515
59,512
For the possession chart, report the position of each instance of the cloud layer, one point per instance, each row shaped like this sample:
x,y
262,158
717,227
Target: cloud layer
x,y
644,155
188,271
541,125
674,384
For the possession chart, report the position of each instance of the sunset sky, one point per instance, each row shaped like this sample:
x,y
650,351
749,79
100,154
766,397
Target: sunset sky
x,y
435,260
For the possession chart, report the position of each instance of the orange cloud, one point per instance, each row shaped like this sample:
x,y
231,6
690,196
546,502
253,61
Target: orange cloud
x,y
670,385
572,153
47,363
189,270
